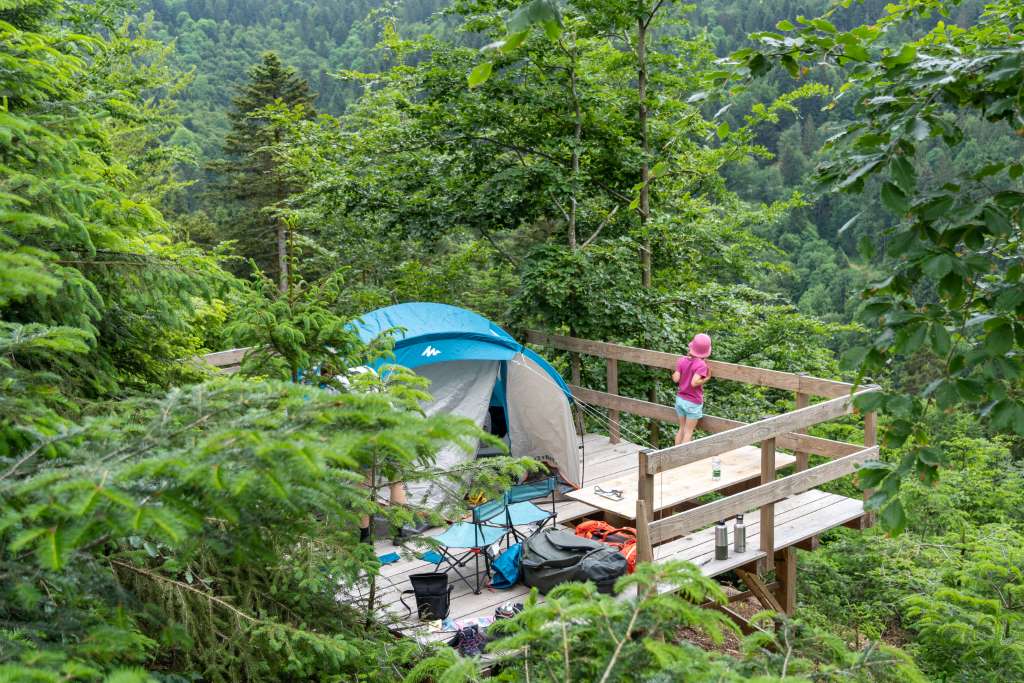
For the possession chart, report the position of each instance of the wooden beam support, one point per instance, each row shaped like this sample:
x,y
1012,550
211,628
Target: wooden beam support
x,y
768,428
684,522
645,481
746,628
809,544
613,389
736,597
802,457
785,572
871,429
659,359
760,590
644,548
768,509
863,522
710,423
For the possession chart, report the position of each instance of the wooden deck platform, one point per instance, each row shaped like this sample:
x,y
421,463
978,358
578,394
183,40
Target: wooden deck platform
x,y
797,519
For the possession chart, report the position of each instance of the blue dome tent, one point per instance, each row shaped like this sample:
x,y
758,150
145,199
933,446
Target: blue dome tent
x,y
478,370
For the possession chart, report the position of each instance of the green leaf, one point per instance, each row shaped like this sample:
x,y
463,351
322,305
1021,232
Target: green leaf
x,y
930,455
940,339
785,25
514,40
723,129
869,402
893,519
938,266
660,169
903,173
480,73
894,198
534,12
996,221
857,52
999,339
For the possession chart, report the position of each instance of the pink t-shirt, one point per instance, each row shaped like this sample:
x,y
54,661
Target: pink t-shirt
x,y
687,367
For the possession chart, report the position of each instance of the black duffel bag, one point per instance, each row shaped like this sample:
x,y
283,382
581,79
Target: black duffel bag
x,y
554,556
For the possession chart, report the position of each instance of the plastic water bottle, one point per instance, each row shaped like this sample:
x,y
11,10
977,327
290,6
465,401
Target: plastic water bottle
x,y
716,468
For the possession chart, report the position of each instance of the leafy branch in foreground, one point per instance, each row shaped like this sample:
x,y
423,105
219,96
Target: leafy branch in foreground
x,y
209,529
955,253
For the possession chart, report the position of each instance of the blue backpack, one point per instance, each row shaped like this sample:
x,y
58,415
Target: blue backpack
x,y
506,567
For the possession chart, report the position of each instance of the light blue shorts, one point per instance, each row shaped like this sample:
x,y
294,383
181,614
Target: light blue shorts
x,y
688,409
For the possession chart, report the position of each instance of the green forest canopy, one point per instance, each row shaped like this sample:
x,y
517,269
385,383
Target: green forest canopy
x,y
803,189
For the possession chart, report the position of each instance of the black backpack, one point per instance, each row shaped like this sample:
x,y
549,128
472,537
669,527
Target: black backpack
x,y
554,556
433,595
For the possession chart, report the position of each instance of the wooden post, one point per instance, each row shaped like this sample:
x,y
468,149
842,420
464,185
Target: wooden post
x,y
870,439
644,549
768,511
644,507
645,482
574,365
802,401
871,429
785,573
613,389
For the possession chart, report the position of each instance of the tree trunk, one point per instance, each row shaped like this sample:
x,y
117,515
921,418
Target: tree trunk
x,y
282,227
645,177
282,255
645,173
578,134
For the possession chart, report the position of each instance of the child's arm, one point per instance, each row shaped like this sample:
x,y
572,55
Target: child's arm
x,y
675,377
699,381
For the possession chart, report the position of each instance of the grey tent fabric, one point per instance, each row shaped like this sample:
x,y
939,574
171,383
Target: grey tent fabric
x,y
458,388
540,419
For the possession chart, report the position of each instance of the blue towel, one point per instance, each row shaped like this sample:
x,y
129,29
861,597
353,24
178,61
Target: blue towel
x,y
431,556
389,558
506,567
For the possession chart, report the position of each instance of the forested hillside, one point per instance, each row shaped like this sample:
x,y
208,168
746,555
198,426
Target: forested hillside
x,y
220,40
824,189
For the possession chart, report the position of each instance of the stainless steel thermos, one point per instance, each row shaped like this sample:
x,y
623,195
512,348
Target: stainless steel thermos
x,y
721,541
739,535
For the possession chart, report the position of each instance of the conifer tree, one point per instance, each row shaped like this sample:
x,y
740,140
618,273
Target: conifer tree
x,y
252,179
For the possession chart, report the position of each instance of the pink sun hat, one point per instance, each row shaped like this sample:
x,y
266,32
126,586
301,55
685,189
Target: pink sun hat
x,y
700,345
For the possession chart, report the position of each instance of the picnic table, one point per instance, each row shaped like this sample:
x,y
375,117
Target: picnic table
x,y
680,484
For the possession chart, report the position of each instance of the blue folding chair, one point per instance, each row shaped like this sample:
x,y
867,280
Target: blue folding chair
x,y
520,511
476,538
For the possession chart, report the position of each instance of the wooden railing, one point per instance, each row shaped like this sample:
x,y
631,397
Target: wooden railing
x,y
803,386
779,431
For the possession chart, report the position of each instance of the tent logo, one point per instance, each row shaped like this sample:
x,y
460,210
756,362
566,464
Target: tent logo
x,y
430,352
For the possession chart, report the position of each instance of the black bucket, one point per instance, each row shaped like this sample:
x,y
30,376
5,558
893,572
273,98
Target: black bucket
x,y
433,595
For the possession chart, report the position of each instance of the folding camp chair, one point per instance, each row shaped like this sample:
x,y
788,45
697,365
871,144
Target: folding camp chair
x,y
475,537
520,511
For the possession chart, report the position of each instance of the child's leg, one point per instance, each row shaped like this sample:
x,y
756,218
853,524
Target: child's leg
x,y
688,426
680,431
397,494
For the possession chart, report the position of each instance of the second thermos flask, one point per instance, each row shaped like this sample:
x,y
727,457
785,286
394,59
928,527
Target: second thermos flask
x,y
739,532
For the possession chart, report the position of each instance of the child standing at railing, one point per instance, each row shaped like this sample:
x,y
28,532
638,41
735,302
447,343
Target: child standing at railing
x,y
691,374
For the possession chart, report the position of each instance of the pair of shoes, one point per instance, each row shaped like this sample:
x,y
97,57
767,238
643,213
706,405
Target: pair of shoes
x,y
508,610
469,641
